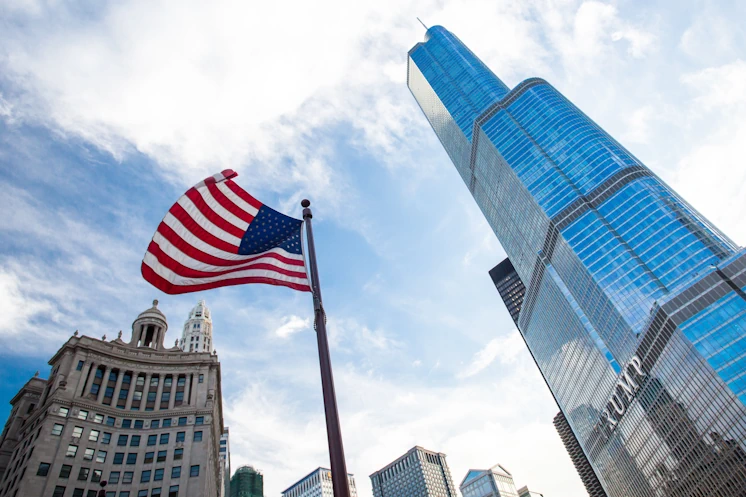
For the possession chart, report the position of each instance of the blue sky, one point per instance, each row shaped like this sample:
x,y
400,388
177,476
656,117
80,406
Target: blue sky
x,y
108,112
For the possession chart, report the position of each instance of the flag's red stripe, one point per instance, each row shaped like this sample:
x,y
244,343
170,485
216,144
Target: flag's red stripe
x,y
165,286
243,194
188,272
213,216
198,231
197,254
228,205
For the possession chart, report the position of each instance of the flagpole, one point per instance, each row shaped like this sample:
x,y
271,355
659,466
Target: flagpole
x,y
333,430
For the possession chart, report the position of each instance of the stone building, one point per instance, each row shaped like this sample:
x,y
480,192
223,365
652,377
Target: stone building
x,y
418,473
318,483
197,334
144,417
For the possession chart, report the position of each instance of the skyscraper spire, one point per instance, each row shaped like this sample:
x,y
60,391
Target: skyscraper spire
x,y
197,334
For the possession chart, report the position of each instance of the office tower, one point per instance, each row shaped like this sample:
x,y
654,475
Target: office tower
x,y
318,483
247,482
197,334
624,281
525,492
418,473
142,416
494,482
582,466
225,464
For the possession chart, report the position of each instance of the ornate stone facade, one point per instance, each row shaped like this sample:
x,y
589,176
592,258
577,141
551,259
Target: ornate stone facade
x,y
145,418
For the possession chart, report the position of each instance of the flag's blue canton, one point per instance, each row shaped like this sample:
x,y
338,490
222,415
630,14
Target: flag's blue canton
x,y
269,230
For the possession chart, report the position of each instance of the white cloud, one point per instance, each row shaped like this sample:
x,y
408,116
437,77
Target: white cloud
x,y
718,88
505,348
292,325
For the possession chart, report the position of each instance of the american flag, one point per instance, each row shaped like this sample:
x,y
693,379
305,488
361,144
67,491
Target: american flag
x,y
217,235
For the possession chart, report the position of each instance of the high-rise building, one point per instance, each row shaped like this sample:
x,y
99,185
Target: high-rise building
x,y
418,473
582,466
494,482
624,281
225,463
525,492
247,482
318,483
197,334
142,416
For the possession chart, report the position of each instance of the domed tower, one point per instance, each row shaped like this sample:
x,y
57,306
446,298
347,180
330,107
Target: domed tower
x,y
149,329
197,335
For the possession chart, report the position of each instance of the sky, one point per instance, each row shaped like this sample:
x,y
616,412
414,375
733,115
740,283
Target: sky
x,y
109,111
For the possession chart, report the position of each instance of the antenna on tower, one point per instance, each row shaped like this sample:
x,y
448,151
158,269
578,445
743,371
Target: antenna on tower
x,y
423,24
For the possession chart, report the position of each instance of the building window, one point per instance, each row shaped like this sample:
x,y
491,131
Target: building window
x,y
161,455
124,493
132,458
164,438
83,474
152,439
158,475
199,420
176,472
96,475
142,493
126,423
181,381
98,418
79,367
64,411
156,492
151,396
43,469
173,491
127,476
197,436
122,440
82,414
140,381
114,477
194,470
57,429
167,423
178,454
179,397
78,431
60,491
109,392
78,492
127,378
136,396
88,455
106,438
149,457
156,423
65,471
72,450
165,396
145,476
154,381
180,436
201,378
124,393
101,456
93,436
135,442
110,420
118,457
139,424
182,421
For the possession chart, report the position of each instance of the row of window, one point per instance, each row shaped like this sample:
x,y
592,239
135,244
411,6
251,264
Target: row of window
x,y
173,491
72,449
114,477
129,423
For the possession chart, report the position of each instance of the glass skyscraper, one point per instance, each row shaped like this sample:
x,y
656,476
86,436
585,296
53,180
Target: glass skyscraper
x,y
634,307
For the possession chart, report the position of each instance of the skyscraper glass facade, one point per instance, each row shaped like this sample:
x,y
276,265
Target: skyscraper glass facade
x,y
634,306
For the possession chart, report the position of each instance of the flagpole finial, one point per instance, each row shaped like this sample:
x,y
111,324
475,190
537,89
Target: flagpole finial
x,y
305,202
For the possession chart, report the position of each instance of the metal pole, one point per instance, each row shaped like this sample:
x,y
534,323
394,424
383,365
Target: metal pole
x,y
333,431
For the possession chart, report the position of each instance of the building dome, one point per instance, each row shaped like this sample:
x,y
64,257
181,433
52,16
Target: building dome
x,y
149,329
